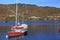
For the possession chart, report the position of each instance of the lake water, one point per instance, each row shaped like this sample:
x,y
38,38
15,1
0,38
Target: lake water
x,y
12,23
46,31
37,36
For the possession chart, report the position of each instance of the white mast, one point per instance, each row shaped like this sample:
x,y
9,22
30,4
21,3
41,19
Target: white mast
x,y
16,13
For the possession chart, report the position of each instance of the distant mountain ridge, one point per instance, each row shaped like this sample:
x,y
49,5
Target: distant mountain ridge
x,y
33,10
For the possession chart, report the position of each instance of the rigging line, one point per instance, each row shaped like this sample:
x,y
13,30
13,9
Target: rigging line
x,y
24,6
10,9
23,16
26,11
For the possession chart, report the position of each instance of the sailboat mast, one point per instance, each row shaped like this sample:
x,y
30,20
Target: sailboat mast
x,y
16,13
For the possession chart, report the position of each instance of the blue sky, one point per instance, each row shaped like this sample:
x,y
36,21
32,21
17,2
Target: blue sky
x,y
53,3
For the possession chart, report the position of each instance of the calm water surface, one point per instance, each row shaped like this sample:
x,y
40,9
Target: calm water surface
x,y
39,32
37,36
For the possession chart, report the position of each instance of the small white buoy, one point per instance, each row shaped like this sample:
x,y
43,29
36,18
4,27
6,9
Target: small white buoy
x,y
6,36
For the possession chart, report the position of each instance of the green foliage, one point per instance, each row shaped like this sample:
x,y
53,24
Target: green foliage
x,y
10,18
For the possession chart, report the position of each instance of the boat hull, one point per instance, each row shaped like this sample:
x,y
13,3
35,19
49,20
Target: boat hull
x,y
15,34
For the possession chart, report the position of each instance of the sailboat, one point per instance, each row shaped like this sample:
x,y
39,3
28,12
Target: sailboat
x,y
19,29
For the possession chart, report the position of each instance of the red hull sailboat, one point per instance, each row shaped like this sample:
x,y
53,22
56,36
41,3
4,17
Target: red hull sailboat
x,y
15,34
17,30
